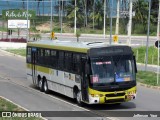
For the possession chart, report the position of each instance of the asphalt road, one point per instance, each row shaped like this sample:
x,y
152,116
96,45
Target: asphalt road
x,y
135,40
14,86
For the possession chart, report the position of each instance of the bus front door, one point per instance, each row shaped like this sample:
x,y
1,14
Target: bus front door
x,y
33,63
84,83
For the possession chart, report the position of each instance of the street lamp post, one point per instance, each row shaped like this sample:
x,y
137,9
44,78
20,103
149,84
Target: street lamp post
x,y
93,12
51,19
117,19
61,15
130,22
111,10
148,31
27,23
104,26
158,38
75,17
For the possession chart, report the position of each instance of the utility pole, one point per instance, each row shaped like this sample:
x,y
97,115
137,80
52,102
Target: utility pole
x,y
61,15
117,19
75,17
158,38
51,19
130,22
93,12
111,9
27,23
104,26
148,31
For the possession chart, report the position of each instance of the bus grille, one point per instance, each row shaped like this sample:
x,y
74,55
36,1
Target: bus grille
x,y
115,100
115,95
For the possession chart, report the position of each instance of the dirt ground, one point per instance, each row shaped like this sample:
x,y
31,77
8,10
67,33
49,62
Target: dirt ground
x,y
44,27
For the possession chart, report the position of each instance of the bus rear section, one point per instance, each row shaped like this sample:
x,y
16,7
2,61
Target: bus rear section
x,y
110,75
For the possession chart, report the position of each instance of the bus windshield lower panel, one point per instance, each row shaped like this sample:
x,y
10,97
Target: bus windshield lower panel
x,y
112,69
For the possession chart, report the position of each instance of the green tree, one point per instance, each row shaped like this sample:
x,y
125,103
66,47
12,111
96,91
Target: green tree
x,y
154,10
98,13
141,9
70,10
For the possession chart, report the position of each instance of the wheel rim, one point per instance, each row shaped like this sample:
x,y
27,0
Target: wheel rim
x,y
40,83
79,97
45,86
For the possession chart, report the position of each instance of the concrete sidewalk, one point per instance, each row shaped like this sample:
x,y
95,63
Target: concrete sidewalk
x,y
7,45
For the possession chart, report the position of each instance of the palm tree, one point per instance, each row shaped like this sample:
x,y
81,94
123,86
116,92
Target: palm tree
x,y
141,9
98,14
70,12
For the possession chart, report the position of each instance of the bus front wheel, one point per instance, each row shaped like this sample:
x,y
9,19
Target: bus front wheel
x,y
78,98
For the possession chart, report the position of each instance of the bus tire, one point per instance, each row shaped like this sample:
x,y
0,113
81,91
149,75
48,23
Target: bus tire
x,y
40,85
46,90
78,98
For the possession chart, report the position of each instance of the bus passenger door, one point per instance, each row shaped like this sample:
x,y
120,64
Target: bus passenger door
x,y
84,82
33,65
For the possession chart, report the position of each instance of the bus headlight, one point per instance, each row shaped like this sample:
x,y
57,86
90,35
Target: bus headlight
x,y
93,98
131,94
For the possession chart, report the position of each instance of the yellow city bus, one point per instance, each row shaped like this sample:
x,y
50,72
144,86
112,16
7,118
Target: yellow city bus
x,y
92,73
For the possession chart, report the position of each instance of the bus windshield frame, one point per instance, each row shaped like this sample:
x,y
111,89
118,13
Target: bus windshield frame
x,y
112,69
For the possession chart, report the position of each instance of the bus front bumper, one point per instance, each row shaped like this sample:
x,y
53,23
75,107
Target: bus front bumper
x,y
97,97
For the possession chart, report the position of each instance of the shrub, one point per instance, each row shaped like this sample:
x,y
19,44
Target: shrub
x,y
21,40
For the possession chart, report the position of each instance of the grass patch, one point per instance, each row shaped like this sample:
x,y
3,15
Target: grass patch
x,y
140,55
8,106
21,52
149,78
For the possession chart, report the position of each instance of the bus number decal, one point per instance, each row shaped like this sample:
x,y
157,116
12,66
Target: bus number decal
x,y
94,79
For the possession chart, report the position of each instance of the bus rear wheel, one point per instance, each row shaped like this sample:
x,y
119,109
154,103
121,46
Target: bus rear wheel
x,y
46,90
40,85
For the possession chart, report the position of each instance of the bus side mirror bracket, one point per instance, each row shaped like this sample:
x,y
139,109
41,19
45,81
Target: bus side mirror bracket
x,y
135,65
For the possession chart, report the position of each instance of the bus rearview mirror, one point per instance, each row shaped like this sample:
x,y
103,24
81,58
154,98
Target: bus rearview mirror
x,y
135,65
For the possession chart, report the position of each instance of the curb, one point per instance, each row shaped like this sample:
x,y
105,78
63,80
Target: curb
x,y
149,86
148,65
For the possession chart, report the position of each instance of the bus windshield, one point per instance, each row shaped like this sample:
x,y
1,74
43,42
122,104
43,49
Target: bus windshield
x,y
113,69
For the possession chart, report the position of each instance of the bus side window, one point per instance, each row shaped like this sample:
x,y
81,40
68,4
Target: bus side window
x,y
28,55
68,61
54,59
46,57
61,60
41,58
76,63
38,55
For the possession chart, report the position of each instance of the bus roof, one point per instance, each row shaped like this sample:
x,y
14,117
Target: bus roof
x,y
68,45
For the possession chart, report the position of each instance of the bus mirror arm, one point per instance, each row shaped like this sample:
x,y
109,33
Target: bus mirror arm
x,y
135,65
